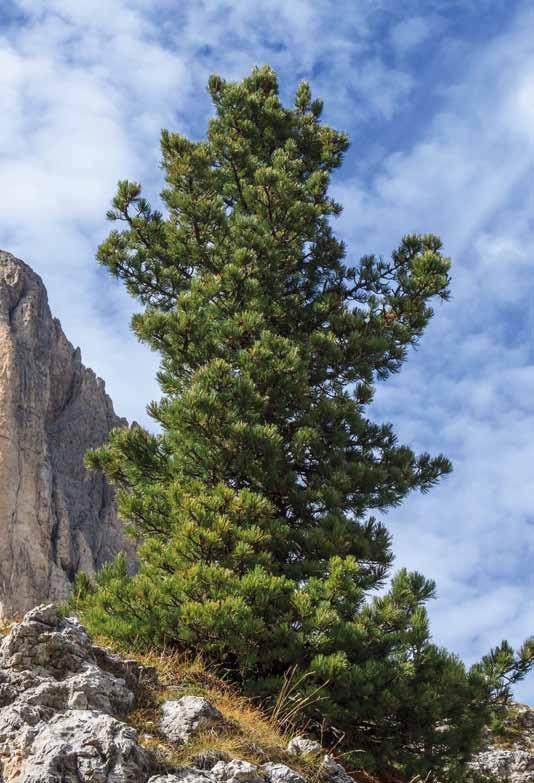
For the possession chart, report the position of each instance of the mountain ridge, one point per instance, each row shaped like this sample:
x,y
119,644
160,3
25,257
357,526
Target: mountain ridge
x,y
55,517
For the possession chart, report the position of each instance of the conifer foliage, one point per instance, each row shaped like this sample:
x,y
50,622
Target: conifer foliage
x,y
254,505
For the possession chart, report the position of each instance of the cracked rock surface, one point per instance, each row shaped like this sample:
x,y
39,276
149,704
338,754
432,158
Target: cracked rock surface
x,y
55,517
279,773
182,718
237,771
506,766
64,705
509,759
59,701
303,746
84,746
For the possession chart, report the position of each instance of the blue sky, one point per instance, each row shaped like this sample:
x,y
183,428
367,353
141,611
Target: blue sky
x,y
438,98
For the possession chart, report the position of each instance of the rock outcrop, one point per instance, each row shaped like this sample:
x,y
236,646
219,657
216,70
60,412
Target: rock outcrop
x,y
59,698
509,756
55,517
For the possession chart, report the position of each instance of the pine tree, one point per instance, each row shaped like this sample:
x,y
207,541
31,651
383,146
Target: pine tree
x,y
254,505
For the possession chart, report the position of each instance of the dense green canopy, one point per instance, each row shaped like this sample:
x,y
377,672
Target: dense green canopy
x,y
255,503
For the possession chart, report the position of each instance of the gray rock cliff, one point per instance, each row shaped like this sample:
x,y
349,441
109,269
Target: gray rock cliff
x,y
55,517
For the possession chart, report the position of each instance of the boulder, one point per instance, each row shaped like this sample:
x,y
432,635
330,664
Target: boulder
x,y
303,746
279,773
182,718
237,771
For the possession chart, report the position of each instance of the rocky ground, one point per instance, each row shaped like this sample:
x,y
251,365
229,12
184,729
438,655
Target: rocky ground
x,y
62,705
509,755
67,705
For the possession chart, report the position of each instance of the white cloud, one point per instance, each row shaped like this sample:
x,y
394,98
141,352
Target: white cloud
x,y
411,32
86,89
80,99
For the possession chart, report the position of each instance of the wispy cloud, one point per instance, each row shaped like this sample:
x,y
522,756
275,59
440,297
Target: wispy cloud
x,y
439,99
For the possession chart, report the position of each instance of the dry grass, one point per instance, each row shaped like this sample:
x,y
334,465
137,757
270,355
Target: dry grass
x,y
6,626
248,732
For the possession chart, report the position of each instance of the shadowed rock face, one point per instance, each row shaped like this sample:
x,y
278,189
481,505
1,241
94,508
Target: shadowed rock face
x,y
55,517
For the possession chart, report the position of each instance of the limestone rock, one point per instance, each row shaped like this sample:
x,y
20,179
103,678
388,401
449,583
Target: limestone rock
x,y
509,758
182,718
58,705
48,662
183,775
333,771
55,517
84,747
236,771
329,769
303,746
506,766
128,669
279,773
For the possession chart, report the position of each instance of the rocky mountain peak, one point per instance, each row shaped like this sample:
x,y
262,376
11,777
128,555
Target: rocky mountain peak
x,y
55,517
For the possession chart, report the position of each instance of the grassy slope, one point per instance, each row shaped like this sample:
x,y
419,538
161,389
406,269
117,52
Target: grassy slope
x,y
248,733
